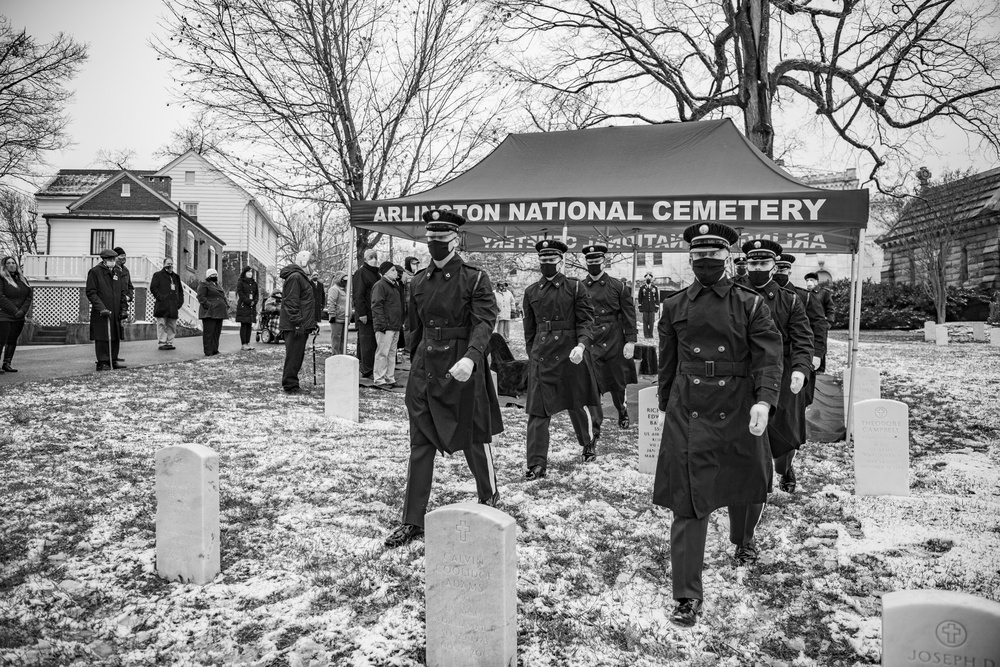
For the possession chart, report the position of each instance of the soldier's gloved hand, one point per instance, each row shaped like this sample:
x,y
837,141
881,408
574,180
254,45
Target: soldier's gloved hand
x,y
462,370
363,319
629,350
798,379
758,418
816,362
576,355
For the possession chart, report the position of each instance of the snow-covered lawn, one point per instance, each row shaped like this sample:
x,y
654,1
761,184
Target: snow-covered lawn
x,y
307,501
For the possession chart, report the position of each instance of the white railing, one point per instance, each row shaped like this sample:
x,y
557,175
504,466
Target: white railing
x,y
188,313
75,267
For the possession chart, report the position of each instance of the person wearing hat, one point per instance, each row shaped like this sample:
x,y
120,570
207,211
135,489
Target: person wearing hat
x,y
108,307
505,309
817,322
247,296
387,318
558,329
337,308
212,310
319,295
825,299
614,335
649,303
361,292
126,278
450,398
168,297
297,319
740,270
719,380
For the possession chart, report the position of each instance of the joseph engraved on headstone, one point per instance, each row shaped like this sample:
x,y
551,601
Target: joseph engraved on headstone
x,y
979,331
187,513
649,430
470,586
342,377
942,335
868,386
930,331
881,448
928,627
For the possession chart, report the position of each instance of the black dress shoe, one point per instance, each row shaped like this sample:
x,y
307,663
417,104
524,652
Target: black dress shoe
x,y
687,612
535,472
787,483
590,451
746,556
7,368
492,500
623,420
103,366
404,533
119,360
116,365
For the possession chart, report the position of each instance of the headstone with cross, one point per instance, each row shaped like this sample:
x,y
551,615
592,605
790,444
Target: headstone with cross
x,y
470,586
939,628
881,448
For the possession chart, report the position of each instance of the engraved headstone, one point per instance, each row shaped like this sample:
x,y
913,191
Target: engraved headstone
x,y
924,628
649,430
342,377
979,331
930,331
881,448
868,386
470,586
942,335
187,513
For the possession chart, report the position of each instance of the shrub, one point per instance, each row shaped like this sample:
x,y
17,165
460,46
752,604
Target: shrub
x,y
886,305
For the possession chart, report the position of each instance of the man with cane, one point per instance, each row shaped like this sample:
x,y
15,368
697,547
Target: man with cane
x,y
106,292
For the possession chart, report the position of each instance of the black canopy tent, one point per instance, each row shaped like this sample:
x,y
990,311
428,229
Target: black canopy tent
x,y
633,188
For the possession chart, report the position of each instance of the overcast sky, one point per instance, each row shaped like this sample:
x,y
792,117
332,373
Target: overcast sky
x,y
122,97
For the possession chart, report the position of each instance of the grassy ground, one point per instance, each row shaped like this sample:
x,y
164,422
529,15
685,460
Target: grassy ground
x,y
306,502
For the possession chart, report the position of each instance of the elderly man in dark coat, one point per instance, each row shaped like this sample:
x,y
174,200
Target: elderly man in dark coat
x,y
450,397
298,317
719,368
168,297
108,307
614,335
558,329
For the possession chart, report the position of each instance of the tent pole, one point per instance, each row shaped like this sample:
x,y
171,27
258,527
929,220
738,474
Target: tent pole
x,y
635,260
854,334
351,246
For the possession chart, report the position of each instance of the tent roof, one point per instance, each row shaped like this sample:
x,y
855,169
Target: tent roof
x,y
618,183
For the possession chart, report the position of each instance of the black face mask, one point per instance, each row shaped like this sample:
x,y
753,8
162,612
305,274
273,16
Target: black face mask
x,y
741,270
781,279
595,269
549,270
708,271
759,278
649,280
439,249
213,279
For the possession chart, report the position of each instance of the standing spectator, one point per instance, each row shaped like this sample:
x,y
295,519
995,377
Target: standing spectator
x,y
126,277
505,307
825,299
364,280
402,299
337,308
168,297
247,295
319,294
719,368
649,303
15,301
387,318
298,317
108,307
212,311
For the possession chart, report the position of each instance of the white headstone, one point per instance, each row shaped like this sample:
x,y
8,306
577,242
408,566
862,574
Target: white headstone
x,y
995,336
881,448
939,628
979,331
942,334
342,378
187,513
930,331
868,386
649,430
471,586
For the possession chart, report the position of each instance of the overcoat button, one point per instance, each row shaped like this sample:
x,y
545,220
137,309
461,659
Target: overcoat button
x,y
430,348
447,275
697,350
722,348
722,415
447,375
694,415
430,375
722,383
557,337
697,381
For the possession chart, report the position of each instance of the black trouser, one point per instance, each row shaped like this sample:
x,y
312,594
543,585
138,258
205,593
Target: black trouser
x,y
103,347
822,364
597,411
783,463
295,352
687,555
420,476
366,348
538,434
648,322
743,520
9,333
211,331
245,329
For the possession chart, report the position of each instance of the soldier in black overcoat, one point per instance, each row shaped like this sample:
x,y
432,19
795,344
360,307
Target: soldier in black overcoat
x,y
719,380
558,330
825,299
817,322
649,304
450,397
614,335
106,291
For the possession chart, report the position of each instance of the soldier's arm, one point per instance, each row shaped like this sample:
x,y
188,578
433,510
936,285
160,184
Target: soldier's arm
x,y
528,322
818,322
627,306
92,292
415,332
765,354
801,335
584,315
484,317
667,362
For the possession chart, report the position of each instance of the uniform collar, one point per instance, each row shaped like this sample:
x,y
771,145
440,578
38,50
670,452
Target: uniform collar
x,y
556,281
594,279
721,287
450,267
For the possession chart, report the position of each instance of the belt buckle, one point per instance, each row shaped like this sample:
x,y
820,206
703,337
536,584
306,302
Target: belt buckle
x,y
710,369
548,325
435,333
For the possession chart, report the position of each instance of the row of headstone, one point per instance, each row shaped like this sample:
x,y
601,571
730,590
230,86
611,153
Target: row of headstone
x,y
938,333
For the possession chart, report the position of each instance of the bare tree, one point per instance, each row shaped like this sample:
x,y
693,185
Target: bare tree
x,y
878,73
115,158
365,100
33,97
18,226
200,135
320,227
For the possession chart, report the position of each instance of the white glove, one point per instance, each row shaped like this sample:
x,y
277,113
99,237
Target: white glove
x,y
629,350
758,418
662,419
576,356
462,370
798,379
816,362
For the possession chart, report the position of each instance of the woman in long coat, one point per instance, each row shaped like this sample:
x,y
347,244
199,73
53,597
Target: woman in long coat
x,y
15,302
247,295
212,310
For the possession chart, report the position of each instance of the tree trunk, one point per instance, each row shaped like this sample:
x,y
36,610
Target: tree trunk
x,y
755,93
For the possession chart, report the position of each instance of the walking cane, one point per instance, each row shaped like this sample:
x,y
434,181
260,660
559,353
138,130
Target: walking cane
x,y
111,356
314,354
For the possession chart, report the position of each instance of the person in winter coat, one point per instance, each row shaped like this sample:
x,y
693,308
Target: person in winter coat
x,y
213,309
319,290
15,302
505,308
823,296
449,397
168,297
247,295
336,306
387,318
558,330
361,291
298,317
817,322
108,307
649,303
719,368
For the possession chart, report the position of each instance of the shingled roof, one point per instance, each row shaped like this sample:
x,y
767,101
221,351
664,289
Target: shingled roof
x,y
78,182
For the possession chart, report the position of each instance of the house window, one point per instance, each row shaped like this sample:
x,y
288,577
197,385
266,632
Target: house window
x,y
168,243
657,259
213,258
640,259
101,239
191,208
188,178
191,251
126,189
963,269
